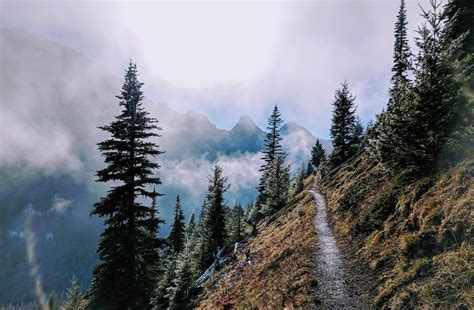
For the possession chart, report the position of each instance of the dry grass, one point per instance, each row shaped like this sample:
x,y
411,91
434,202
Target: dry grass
x,y
414,237
281,273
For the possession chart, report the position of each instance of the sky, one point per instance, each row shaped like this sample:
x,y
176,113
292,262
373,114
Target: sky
x,y
228,59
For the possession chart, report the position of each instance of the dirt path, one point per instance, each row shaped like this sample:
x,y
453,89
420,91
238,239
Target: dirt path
x,y
334,290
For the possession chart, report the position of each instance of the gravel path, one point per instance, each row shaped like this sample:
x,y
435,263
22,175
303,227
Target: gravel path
x,y
334,291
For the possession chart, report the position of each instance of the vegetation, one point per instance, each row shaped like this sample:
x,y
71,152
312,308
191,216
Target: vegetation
x,y
128,248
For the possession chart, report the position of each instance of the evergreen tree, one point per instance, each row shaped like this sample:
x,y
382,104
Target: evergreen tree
x,y
389,131
342,128
162,291
357,136
317,155
122,279
212,228
179,294
277,187
191,226
177,234
73,296
272,150
460,20
300,181
235,227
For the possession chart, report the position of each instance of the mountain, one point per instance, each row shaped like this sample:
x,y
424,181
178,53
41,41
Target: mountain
x,y
52,101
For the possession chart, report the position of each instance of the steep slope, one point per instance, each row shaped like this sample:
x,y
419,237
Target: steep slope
x,y
280,272
412,235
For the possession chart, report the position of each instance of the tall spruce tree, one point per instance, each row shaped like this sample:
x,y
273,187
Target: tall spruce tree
x,y
342,128
235,227
317,155
123,280
277,186
190,228
389,132
272,149
74,299
178,230
213,217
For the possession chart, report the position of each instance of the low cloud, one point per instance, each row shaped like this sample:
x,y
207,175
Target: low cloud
x,y
60,205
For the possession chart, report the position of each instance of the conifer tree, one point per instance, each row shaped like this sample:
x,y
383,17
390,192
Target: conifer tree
x,y
299,186
190,228
342,128
277,187
180,293
317,154
235,227
272,150
357,136
212,229
74,299
122,279
389,131
162,292
177,234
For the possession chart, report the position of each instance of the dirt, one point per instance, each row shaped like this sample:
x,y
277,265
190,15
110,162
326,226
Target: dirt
x,y
335,290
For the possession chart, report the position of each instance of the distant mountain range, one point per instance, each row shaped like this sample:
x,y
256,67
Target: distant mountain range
x,y
52,100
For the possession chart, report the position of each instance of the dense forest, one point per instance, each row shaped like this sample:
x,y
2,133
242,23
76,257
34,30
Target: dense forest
x,y
379,180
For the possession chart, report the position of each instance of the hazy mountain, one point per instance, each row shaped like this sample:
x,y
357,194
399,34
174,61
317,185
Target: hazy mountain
x,y
52,100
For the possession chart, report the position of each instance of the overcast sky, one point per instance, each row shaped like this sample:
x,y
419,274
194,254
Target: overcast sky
x,y
229,59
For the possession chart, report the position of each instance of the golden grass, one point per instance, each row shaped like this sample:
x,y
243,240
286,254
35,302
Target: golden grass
x,y
421,255
281,273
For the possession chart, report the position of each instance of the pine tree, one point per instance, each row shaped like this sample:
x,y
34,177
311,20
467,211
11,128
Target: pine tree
x,y
300,181
272,150
190,228
235,224
342,128
73,296
357,136
389,131
177,234
212,228
460,20
317,155
277,187
122,279
180,293
161,293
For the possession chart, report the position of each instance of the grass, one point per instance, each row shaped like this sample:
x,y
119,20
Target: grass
x,y
281,273
414,235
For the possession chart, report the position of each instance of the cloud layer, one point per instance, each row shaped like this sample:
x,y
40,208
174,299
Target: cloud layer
x,y
231,59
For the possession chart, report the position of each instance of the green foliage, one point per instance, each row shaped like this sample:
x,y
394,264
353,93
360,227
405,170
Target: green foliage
x,y
74,299
128,246
344,129
317,155
272,150
178,230
235,224
277,186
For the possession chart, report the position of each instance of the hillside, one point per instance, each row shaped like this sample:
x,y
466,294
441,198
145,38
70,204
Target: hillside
x,y
281,269
412,235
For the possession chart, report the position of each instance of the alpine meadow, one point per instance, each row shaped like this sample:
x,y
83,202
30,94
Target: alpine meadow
x,y
236,154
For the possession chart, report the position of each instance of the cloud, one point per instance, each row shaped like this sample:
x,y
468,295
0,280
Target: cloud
x,y
231,59
191,174
60,205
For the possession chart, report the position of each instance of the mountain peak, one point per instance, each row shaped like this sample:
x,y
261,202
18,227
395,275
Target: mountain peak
x,y
245,124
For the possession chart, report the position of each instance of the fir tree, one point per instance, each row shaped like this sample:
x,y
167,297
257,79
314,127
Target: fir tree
x,y
342,128
212,230
389,131
190,228
178,230
122,279
73,296
272,150
235,224
163,288
300,180
357,136
180,293
317,154
277,187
